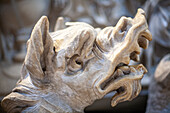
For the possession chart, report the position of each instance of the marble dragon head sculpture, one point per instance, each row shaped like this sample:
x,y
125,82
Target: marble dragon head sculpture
x,y
67,70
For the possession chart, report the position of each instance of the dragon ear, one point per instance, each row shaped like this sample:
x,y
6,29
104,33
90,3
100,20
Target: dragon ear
x,y
39,52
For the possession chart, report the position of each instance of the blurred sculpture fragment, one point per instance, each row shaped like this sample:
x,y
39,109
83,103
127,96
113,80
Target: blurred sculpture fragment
x,y
100,13
159,89
17,19
67,70
157,13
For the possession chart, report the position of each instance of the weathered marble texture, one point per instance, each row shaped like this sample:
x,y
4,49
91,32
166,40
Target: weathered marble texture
x,y
67,70
159,89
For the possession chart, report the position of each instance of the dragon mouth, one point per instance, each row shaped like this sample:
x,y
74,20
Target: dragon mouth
x,y
121,71
125,80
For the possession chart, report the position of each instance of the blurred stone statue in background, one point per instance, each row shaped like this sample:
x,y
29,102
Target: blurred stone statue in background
x,y
158,14
17,19
159,89
100,13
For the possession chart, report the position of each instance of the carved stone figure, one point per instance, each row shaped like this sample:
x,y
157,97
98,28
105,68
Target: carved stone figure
x,y
159,89
16,24
67,70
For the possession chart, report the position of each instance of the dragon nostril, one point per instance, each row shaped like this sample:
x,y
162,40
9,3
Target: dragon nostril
x,y
134,56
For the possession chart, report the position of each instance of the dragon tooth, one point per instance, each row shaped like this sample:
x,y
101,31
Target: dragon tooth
x,y
125,68
120,72
147,34
142,68
132,69
143,42
134,56
137,48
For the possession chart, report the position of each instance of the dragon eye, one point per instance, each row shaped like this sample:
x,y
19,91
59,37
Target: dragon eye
x,y
75,64
78,62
